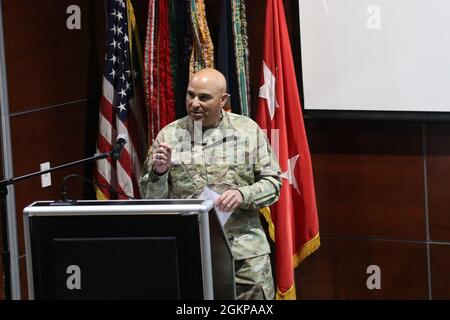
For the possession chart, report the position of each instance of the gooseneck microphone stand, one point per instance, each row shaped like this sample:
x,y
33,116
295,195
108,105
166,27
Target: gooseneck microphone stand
x,y
114,153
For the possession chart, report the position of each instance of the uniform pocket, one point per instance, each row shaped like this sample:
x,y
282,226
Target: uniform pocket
x,y
181,181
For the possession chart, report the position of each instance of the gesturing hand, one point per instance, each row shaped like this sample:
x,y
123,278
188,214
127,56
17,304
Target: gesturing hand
x,y
161,158
230,200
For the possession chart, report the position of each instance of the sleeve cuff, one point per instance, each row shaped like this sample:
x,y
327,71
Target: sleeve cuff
x,y
246,196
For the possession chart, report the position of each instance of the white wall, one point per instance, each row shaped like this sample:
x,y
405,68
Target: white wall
x,y
376,54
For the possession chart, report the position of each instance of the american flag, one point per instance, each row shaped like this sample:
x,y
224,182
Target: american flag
x,y
121,111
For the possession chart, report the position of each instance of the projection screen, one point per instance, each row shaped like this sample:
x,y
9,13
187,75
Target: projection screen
x,y
375,55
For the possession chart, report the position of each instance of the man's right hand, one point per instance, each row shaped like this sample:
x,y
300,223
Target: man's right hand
x,y
161,158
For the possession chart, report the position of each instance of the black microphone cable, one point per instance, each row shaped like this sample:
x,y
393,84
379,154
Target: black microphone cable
x,y
109,188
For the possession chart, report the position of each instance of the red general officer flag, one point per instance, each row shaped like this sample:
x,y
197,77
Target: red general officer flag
x,y
293,219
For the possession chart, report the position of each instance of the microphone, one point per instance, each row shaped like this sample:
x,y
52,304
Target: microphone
x,y
120,143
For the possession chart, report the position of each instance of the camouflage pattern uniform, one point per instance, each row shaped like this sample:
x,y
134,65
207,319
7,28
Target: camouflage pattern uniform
x,y
234,155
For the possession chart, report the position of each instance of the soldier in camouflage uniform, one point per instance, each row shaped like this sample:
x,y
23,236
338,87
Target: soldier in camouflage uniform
x,y
231,155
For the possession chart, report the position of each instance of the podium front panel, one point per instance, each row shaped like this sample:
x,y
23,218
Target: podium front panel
x,y
96,250
107,272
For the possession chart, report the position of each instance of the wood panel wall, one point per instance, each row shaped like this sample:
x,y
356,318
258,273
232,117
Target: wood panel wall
x,y
382,187
54,83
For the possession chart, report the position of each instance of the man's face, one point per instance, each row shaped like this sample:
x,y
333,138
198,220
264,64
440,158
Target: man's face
x,y
204,101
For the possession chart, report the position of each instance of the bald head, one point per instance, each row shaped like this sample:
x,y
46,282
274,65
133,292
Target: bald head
x,y
212,78
206,96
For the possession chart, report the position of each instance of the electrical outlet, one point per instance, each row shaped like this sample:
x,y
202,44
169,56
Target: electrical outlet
x,y
46,179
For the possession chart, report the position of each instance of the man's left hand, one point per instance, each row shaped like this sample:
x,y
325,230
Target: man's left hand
x,y
230,200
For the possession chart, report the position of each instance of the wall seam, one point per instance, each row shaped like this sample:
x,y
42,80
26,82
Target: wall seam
x,y
19,113
427,222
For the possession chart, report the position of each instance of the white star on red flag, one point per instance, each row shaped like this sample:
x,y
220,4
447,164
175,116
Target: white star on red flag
x,y
290,173
267,90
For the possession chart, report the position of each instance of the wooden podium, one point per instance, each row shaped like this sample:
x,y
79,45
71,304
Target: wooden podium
x,y
133,249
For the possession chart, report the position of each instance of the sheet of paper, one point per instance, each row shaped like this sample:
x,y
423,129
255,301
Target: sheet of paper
x,y
209,194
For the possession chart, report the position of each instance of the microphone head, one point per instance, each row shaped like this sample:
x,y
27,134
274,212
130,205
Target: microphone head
x,y
122,138
120,144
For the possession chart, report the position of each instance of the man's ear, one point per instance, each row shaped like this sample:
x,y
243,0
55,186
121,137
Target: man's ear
x,y
224,100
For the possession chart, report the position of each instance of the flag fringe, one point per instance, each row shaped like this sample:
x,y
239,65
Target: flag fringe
x,y
288,295
266,214
301,254
99,194
308,248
